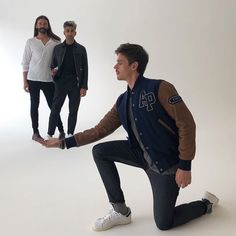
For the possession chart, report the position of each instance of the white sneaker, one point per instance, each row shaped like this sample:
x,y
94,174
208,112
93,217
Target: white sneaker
x,y
211,200
69,135
110,220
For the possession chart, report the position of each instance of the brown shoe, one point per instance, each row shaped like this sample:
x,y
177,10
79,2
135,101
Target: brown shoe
x,y
37,138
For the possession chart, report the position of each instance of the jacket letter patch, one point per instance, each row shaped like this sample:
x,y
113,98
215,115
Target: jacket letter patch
x,y
147,100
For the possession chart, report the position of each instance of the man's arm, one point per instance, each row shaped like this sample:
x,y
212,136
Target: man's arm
x,y
25,81
54,59
54,64
85,70
106,126
176,108
25,65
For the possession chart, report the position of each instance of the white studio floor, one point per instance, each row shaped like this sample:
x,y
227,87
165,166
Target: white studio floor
x,y
53,192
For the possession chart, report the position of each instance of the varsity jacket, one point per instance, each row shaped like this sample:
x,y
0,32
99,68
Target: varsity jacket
x,y
164,124
80,60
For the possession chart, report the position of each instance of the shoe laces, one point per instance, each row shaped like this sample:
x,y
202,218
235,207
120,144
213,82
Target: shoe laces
x,y
109,216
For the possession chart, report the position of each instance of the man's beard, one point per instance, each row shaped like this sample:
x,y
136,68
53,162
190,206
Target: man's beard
x,y
43,30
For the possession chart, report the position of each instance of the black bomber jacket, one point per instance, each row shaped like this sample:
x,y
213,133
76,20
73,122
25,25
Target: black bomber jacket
x,y
80,60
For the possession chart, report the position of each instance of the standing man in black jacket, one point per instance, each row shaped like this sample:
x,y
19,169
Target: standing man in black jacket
x,y
70,73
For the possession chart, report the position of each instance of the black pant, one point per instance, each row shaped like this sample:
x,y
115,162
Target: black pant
x,y
62,89
164,188
34,90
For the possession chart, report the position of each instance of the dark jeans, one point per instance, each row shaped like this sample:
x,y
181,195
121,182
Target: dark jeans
x,y
34,90
63,89
164,188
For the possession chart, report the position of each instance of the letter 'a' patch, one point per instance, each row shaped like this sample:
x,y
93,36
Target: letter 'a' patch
x,y
175,99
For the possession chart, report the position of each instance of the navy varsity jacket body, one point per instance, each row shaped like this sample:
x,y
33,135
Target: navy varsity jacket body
x,y
163,121
157,130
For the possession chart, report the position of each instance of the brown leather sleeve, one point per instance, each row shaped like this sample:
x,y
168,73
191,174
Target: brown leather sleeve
x,y
183,119
106,126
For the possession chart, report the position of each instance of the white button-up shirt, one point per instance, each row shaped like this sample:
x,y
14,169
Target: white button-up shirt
x,y
37,59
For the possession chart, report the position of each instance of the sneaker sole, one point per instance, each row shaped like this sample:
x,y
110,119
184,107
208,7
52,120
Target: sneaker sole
x,y
104,229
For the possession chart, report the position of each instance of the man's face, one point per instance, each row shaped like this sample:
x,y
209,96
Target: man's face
x,y
42,26
123,69
69,33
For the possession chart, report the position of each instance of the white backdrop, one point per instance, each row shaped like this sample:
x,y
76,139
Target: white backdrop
x,y
191,43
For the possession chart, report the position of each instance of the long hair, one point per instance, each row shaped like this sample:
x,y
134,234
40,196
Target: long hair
x,y
49,32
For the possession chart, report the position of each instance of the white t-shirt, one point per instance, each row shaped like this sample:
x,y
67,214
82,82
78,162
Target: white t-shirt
x,y
37,59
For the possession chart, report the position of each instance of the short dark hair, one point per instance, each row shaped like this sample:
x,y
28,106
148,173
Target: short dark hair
x,y
69,24
134,52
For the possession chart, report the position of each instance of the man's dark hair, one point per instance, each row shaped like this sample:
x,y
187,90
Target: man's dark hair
x,y
134,53
49,31
70,24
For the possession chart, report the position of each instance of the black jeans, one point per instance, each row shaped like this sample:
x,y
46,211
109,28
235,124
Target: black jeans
x,y
62,89
164,188
34,90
